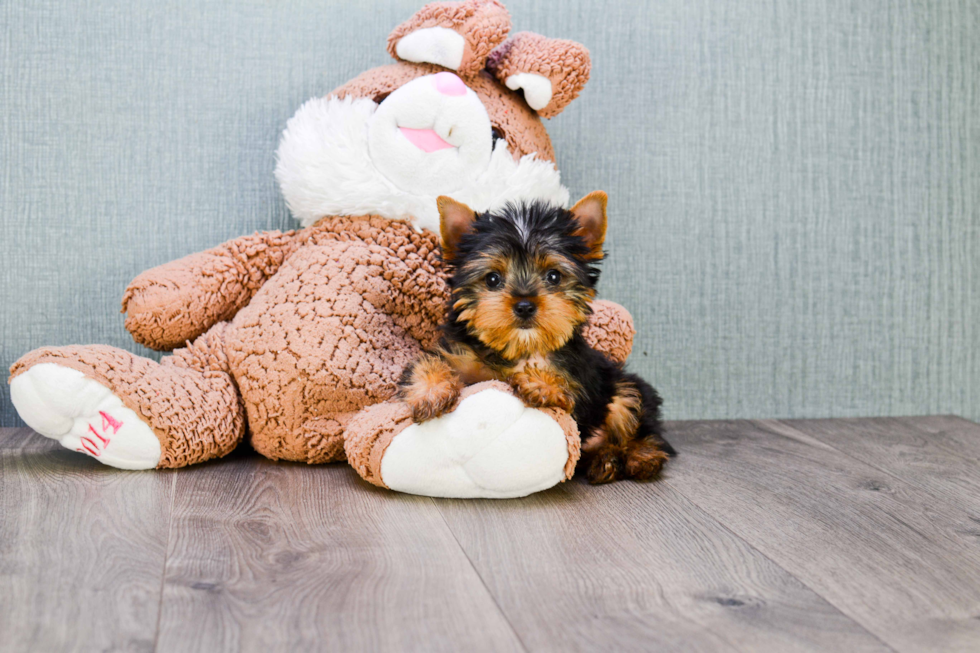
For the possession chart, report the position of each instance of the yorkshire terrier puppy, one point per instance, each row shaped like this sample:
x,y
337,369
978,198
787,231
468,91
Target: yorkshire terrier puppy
x,y
522,282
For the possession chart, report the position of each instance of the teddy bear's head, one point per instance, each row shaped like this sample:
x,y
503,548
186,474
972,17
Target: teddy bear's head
x,y
459,114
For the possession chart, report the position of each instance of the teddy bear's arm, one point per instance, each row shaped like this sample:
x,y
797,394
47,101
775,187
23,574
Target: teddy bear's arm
x,y
610,330
175,302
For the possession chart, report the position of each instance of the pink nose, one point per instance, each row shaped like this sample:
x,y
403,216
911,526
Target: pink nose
x,y
449,84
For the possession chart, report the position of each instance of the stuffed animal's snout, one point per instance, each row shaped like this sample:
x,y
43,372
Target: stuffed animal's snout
x,y
432,133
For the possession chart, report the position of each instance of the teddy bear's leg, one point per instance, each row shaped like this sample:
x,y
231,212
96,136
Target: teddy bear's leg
x,y
490,446
319,439
131,412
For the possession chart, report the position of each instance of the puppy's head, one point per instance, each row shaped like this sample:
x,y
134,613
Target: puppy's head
x,y
523,277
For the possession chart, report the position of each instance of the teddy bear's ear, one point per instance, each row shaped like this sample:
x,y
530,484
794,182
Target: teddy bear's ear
x,y
551,72
455,35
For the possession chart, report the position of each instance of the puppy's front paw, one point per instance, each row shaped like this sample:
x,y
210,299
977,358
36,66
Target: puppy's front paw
x,y
430,388
542,389
430,402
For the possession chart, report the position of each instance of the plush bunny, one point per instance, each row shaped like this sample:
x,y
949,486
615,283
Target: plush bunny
x,y
298,339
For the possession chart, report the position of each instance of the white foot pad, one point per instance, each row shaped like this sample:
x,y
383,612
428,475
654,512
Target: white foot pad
x,y
83,415
491,446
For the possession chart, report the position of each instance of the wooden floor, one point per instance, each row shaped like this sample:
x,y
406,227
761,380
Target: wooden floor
x,y
835,535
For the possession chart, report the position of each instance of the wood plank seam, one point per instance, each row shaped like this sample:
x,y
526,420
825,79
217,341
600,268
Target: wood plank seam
x,y
856,619
808,440
762,554
483,581
910,422
906,481
166,556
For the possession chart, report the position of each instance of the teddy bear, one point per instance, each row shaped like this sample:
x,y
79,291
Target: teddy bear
x,y
296,340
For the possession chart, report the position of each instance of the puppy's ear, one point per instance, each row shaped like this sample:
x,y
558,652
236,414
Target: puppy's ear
x,y
455,220
590,213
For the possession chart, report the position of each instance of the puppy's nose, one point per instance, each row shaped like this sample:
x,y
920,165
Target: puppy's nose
x,y
525,309
449,84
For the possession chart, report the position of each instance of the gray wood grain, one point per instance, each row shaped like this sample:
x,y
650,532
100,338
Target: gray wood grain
x,y
951,432
847,535
933,454
274,556
881,550
638,567
81,551
25,439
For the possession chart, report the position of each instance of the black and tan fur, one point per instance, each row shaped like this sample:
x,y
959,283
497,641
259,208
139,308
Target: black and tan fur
x,y
522,282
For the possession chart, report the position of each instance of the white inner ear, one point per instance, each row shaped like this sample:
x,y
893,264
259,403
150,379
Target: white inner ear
x,y
438,45
537,89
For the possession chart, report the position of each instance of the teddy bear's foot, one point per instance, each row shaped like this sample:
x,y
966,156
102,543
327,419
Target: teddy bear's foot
x,y
109,403
83,415
490,446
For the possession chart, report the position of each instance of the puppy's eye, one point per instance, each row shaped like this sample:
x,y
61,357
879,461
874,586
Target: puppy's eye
x,y
553,277
494,280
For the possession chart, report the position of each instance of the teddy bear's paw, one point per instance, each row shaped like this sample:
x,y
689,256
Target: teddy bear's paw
x,y
83,415
490,446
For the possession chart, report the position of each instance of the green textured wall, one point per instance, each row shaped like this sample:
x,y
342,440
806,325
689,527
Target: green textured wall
x,y
795,186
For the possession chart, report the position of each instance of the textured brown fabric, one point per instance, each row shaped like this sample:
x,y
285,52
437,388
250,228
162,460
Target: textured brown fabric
x,y
189,400
572,437
520,125
331,332
178,301
369,434
483,24
566,63
610,330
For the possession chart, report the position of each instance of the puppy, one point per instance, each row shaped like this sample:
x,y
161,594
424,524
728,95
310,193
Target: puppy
x,y
522,282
